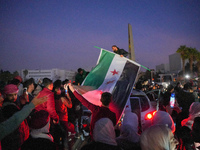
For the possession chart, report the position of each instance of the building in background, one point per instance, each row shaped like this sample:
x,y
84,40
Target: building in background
x,y
53,74
175,63
174,66
163,68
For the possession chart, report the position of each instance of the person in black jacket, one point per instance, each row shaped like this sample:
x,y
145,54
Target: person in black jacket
x,y
121,52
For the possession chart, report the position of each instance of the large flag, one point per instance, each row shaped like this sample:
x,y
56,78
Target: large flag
x,y
112,74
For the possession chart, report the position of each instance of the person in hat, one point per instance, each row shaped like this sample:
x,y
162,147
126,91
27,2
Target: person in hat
x,y
17,80
121,52
15,120
40,138
9,108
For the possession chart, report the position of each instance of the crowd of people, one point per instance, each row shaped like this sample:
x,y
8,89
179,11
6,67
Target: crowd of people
x,y
37,116
45,115
184,114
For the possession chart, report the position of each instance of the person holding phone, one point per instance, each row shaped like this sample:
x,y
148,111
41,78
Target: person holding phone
x,y
27,95
169,101
62,102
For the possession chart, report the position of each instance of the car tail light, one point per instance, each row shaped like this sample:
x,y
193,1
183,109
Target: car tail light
x,y
150,115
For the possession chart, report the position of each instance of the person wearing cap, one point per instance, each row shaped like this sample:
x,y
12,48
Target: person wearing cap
x,y
40,138
15,120
17,80
9,108
118,51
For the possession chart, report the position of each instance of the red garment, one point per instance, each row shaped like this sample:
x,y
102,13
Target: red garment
x,y
97,112
49,105
15,139
61,108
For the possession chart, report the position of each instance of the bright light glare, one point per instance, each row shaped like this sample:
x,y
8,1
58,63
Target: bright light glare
x,y
149,116
187,76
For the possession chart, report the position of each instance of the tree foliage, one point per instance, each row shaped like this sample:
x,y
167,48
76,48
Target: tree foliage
x,y
6,76
192,55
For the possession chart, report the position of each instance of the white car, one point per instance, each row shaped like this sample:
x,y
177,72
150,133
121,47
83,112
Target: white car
x,y
140,104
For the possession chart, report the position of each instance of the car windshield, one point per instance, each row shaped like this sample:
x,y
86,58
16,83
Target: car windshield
x,y
144,103
135,103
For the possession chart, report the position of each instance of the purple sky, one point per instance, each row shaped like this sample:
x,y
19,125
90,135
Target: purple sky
x,y
40,34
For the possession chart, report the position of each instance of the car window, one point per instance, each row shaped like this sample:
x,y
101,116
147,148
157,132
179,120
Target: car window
x,y
144,103
134,104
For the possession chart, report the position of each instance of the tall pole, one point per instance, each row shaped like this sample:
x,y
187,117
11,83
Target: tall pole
x,y
130,43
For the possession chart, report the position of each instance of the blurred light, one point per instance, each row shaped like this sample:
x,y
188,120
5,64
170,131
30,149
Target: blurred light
x,y
150,115
154,113
187,76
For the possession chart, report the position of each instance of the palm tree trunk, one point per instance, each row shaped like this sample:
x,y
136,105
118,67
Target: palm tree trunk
x,y
183,61
198,68
191,67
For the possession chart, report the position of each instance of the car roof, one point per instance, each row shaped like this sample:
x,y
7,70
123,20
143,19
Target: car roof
x,y
137,93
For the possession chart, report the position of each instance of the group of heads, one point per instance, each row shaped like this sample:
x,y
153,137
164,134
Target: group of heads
x,y
10,91
58,86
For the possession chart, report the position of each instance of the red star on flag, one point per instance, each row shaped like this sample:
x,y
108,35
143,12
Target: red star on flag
x,y
114,72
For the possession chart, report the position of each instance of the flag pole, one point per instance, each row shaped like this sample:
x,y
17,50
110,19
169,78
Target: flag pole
x,y
140,65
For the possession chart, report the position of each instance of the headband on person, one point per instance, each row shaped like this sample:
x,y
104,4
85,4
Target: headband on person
x,y
10,89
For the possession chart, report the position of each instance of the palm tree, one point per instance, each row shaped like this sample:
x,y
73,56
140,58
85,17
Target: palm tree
x,y
192,54
183,51
198,62
198,66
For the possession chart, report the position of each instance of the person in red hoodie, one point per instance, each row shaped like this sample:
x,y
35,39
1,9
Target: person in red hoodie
x,y
98,112
48,106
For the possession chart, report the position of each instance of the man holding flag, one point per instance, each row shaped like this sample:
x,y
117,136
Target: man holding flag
x,y
98,112
112,74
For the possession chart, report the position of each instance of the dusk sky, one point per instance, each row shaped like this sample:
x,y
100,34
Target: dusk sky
x,y
41,34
